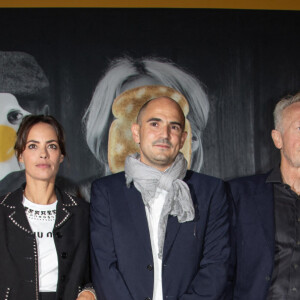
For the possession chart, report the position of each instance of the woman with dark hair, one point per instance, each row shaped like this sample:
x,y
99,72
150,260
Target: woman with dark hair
x,y
44,232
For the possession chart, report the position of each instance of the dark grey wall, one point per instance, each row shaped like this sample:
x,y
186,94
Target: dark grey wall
x,y
246,59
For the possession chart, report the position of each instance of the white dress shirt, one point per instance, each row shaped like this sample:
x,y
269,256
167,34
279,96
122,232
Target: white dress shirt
x,y
153,212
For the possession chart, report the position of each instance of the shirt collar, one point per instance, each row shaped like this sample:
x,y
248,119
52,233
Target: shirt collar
x,y
275,176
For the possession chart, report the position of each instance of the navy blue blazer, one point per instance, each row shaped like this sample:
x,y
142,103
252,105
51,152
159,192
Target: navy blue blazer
x,y
195,256
254,236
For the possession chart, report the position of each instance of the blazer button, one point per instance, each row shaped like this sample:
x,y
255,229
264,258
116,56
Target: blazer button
x,y
148,298
149,267
64,255
59,235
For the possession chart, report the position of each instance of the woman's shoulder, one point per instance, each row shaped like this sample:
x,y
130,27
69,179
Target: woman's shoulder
x,y
10,199
72,200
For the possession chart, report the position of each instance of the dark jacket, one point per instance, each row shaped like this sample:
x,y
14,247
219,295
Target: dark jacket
x,y
195,256
254,233
18,248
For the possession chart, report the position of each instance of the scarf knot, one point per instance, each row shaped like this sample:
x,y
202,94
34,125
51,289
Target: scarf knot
x,y
147,180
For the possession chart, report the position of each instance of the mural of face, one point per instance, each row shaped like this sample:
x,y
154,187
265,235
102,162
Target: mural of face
x,y
11,115
125,73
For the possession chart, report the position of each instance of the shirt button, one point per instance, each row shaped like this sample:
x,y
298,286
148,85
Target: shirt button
x,y
64,255
149,267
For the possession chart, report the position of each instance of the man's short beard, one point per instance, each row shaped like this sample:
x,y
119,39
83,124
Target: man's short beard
x,y
293,163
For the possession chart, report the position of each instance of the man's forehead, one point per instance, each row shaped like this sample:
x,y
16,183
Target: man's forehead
x,y
164,105
293,109
291,114
163,99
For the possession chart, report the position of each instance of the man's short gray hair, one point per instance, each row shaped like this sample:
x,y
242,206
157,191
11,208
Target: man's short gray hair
x,y
281,106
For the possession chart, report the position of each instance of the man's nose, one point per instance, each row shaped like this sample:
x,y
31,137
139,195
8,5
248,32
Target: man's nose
x,y
165,131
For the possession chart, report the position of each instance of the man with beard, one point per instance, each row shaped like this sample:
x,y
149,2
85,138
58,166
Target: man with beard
x,y
159,231
267,227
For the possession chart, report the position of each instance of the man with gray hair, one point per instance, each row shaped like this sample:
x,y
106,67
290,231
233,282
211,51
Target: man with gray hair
x,y
267,219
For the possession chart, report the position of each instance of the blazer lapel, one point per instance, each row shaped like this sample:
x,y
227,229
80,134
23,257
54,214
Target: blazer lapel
x,y
17,216
173,224
63,214
264,200
138,214
171,232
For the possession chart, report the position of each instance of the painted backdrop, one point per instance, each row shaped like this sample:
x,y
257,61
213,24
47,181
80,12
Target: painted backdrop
x,y
240,62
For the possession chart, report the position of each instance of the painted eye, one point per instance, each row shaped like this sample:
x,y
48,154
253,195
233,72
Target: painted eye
x,y
195,143
14,117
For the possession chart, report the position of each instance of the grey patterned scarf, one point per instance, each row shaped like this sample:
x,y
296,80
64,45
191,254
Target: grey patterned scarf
x,y
178,201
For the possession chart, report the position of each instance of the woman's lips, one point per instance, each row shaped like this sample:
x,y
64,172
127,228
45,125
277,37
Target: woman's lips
x,y
43,166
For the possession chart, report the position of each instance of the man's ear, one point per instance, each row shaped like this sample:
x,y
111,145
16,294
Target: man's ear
x,y
277,138
135,130
183,138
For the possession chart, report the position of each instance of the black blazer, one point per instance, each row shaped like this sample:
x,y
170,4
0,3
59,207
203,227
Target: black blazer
x,y
254,236
18,248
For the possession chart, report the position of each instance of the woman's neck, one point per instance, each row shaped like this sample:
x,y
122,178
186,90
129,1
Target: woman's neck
x,y
40,192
